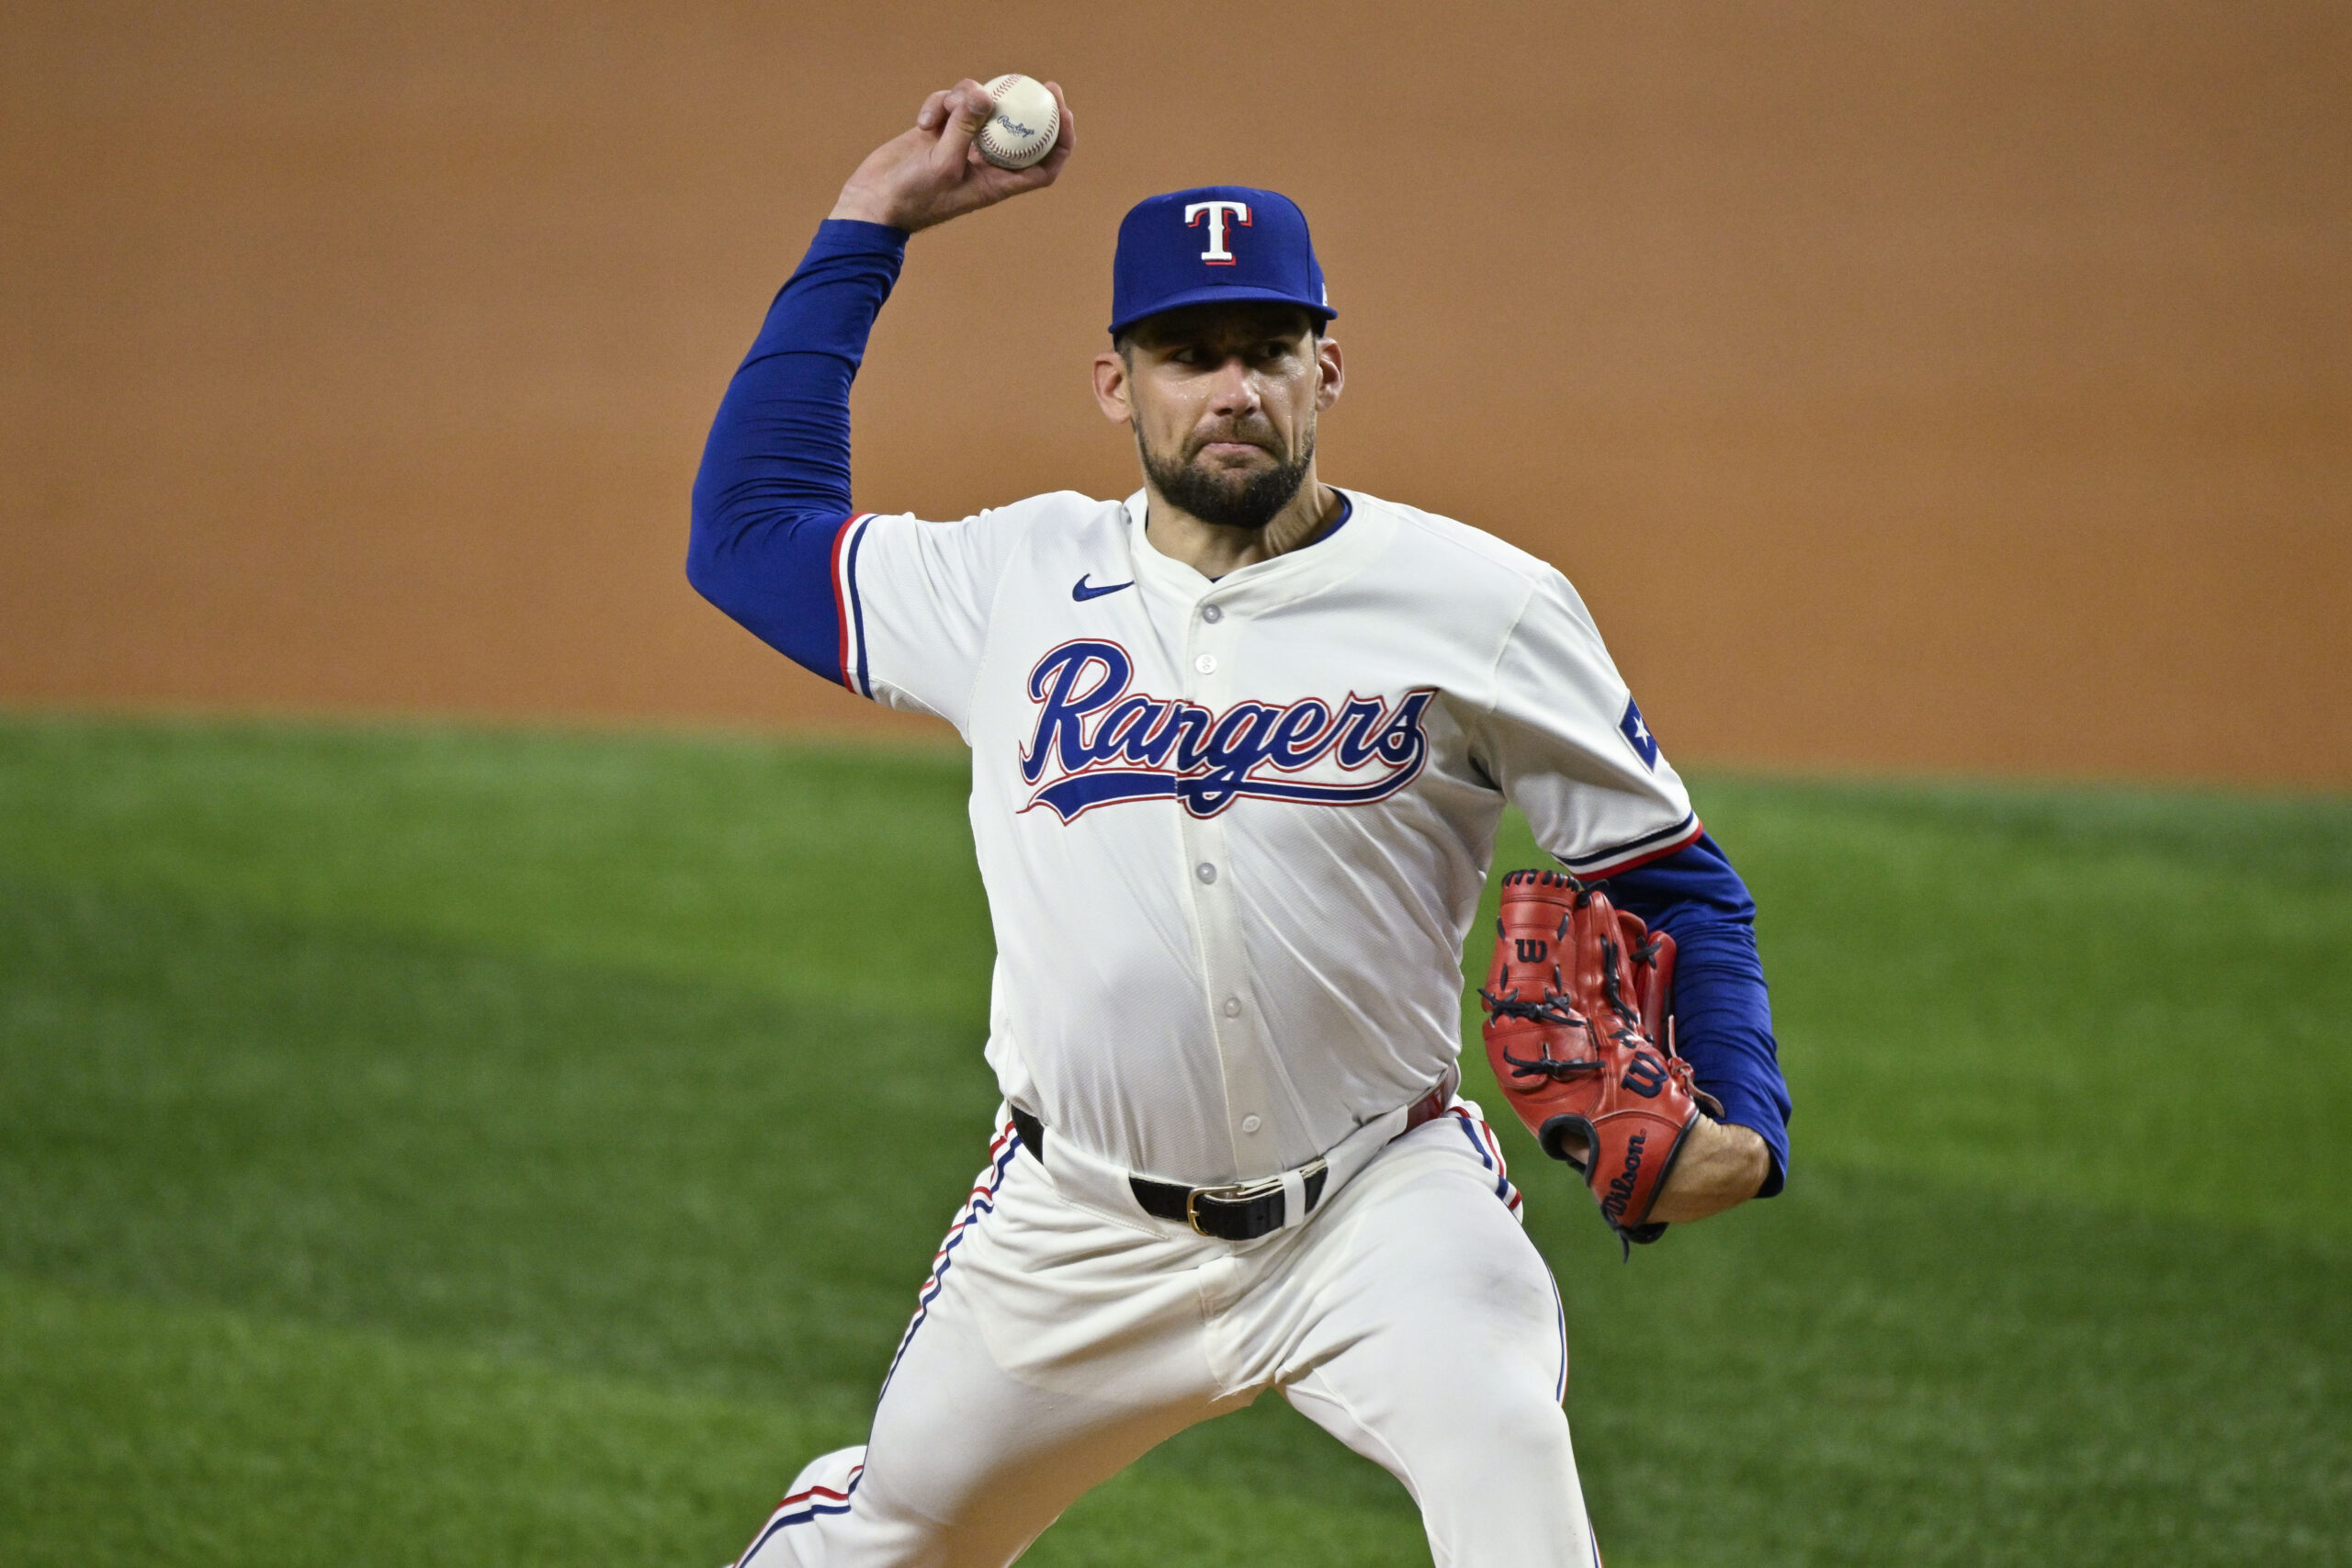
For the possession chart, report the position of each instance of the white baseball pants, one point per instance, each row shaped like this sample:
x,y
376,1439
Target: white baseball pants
x,y
1056,1342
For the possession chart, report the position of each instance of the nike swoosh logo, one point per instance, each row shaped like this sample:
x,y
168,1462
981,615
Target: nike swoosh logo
x,y
1081,592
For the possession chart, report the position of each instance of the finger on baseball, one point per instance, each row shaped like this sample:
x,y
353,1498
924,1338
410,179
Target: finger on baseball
x,y
1039,175
1067,138
1064,140
1046,170
1036,177
969,107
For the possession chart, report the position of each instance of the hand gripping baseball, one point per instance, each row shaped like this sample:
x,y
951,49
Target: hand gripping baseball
x,y
1578,1034
933,172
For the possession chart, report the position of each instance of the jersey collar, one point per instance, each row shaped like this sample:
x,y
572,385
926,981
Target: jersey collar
x,y
1343,550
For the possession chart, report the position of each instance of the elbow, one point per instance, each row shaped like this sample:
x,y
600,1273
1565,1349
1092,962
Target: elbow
x,y
719,575
715,556
702,557
771,574
702,561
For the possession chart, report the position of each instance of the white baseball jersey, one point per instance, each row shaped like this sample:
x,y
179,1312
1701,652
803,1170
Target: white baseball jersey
x,y
1234,831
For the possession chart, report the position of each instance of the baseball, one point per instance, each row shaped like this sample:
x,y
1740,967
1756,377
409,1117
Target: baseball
x,y
1026,122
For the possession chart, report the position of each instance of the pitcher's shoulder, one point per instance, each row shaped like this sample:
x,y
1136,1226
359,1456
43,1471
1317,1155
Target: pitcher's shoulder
x,y
1056,519
1059,509
1463,554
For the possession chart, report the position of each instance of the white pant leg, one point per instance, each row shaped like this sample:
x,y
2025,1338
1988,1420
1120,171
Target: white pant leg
x,y
1424,1331
1053,1346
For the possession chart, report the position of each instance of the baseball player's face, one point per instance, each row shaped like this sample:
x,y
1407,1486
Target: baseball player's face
x,y
1223,400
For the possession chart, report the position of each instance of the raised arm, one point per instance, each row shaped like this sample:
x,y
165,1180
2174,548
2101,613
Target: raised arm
x,y
772,493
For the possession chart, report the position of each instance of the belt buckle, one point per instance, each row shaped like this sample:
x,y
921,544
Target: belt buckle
x,y
1232,1193
1237,1192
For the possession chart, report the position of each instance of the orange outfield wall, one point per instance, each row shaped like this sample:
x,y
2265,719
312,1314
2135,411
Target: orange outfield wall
x,y
1905,384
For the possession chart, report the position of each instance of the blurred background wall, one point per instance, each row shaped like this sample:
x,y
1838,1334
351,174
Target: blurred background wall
x,y
1907,384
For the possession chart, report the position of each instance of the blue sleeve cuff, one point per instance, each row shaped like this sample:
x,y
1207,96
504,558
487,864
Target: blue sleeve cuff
x,y
854,236
1724,1024
1723,1012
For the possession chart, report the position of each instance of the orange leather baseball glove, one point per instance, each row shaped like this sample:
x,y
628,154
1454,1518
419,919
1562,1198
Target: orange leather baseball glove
x,y
1579,1038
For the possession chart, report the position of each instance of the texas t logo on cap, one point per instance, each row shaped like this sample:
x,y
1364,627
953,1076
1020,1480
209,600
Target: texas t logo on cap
x,y
1256,248
1216,212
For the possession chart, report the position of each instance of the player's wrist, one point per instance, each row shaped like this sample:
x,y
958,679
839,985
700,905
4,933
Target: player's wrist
x,y
857,206
1722,1166
1746,1158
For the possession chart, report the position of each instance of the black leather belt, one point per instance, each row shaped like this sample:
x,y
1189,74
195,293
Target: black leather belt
x,y
1243,1211
1240,1211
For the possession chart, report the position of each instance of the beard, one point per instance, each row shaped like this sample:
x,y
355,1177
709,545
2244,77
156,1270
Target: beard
x,y
1247,498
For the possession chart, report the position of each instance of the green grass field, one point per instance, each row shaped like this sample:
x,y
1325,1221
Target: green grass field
x,y
421,1146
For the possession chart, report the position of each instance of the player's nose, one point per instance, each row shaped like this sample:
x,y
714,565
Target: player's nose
x,y
1233,390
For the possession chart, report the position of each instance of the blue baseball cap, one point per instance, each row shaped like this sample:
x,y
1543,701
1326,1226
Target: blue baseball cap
x,y
1210,244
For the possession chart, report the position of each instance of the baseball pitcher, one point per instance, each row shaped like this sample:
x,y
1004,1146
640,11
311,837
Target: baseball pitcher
x,y
1240,742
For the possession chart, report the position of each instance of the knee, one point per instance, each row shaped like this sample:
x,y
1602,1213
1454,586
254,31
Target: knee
x,y
1517,1445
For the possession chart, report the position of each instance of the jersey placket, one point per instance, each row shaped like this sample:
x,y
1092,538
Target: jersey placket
x,y
1211,635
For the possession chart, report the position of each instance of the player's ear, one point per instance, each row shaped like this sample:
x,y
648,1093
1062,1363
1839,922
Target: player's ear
x,y
1333,373
1111,383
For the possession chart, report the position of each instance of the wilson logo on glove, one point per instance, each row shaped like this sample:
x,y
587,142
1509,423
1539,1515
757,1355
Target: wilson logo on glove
x,y
1645,1075
1621,1187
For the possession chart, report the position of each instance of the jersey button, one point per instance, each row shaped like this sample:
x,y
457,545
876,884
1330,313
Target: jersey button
x,y
1233,1007
1212,613
1250,1123
1206,872
1206,664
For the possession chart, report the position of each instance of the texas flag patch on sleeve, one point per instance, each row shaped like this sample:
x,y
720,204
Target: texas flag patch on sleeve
x,y
1638,735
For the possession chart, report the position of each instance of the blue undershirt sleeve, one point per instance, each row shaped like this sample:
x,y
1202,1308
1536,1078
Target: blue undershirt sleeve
x,y
773,491
1723,1012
